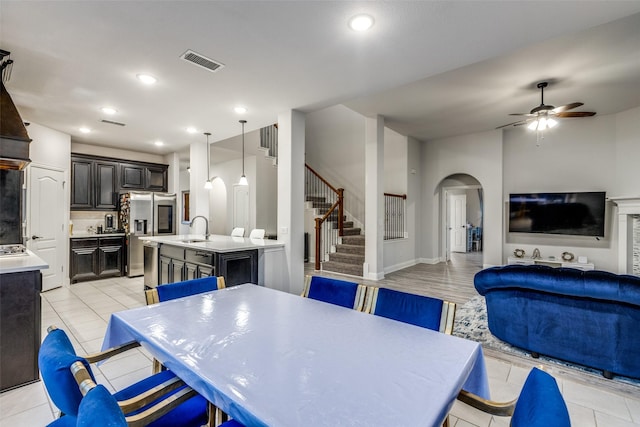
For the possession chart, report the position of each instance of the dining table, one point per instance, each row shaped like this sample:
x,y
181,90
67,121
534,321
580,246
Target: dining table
x,y
271,358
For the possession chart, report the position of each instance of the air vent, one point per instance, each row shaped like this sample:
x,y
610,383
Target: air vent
x,y
111,122
201,61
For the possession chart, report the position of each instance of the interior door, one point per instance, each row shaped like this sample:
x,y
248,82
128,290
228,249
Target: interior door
x,y
46,221
458,222
241,206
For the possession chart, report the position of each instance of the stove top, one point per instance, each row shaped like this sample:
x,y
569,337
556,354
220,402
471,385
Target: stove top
x,y
12,250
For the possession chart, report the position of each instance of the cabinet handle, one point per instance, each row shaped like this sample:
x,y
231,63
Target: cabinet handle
x,y
202,254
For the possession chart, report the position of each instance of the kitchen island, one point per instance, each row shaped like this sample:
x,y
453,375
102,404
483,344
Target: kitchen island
x,y
238,259
20,286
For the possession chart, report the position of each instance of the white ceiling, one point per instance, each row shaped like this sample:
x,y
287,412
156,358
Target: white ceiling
x,y
432,68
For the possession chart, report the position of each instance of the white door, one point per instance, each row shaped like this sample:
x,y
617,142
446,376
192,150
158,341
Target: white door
x,y
458,222
241,207
46,221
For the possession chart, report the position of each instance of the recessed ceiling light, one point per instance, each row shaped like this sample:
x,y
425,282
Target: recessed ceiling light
x,y
84,130
192,130
240,110
361,22
108,110
147,79
159,143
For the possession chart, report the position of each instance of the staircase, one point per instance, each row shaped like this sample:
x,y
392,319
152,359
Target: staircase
x,y
349,255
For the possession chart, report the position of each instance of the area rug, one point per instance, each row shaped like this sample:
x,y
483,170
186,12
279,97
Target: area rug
x,y
471,323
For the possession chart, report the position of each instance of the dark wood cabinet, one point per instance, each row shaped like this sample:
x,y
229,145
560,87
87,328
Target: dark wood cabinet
x,y
81,184
238,267
97,181
106,187
96,258
94,184
156,178
177,264
19,328
132,177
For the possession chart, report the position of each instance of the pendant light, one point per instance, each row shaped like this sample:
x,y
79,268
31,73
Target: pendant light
x,y
243,178
207,183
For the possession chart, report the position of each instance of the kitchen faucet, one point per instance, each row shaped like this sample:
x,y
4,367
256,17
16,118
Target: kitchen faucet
x,y
206,222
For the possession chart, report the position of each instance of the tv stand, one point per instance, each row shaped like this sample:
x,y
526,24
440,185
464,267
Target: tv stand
x,y
550,262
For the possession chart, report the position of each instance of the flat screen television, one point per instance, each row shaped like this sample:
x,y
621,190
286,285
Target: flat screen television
x,y
578,214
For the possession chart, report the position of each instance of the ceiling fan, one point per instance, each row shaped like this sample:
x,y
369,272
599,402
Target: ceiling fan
x,y
543,116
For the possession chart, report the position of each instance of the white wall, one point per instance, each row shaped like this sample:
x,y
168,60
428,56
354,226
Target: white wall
x,y
335,149
595,154
478,155
266,195
117,153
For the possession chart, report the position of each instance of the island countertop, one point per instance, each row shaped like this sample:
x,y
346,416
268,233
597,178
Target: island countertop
x,y
215,242
21,263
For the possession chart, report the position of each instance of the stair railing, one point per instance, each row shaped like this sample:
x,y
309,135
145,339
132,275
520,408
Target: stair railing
x,y
269,140
317,188
394,216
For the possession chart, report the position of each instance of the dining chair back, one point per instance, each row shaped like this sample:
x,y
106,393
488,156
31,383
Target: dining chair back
x,y
182,289
334,291
237,232
57,356
99,404
419,310
257,233
540,403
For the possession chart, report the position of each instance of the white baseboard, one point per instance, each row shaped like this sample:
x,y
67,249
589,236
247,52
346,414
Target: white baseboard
x,y
430,260
400,266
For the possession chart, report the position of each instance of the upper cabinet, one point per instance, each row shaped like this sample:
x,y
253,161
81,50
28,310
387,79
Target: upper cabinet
x,y
97,181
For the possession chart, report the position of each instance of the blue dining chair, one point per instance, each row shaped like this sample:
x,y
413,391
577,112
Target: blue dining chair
x,y
540,403
426,312
183,289
57,355
99,407
334,291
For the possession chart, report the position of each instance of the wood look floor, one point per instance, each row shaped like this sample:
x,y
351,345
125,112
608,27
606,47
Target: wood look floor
x,y
450,281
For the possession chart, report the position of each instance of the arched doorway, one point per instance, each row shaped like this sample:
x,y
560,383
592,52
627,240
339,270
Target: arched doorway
x,y
462,215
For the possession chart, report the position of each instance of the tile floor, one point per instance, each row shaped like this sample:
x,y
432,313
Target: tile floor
x,y
83,310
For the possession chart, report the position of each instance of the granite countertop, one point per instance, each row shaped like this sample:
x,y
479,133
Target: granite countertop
x,y
21,263
216,242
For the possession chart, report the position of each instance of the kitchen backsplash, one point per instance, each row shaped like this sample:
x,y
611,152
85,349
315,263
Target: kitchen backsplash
x,y
83,220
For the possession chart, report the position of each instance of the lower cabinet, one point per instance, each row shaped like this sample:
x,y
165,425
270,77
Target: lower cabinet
x,y
178,264
96,258
20,319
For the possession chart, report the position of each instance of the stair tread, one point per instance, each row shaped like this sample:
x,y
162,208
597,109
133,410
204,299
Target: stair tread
x,y
340,267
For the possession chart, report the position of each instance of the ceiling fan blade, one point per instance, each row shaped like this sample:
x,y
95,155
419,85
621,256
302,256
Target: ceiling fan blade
x,y
576,114
571,106
522,114
521,122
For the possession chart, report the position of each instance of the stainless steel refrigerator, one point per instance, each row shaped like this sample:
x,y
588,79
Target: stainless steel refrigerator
x,y
145,214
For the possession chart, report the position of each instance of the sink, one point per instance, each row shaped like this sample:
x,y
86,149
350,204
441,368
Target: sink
x,y
193,240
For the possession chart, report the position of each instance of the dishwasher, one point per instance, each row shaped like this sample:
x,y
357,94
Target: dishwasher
x,y
150,264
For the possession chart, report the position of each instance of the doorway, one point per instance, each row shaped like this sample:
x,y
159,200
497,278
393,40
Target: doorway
x,y
461,216
46,221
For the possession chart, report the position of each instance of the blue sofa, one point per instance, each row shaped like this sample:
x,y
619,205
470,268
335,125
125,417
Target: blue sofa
x,y
590,318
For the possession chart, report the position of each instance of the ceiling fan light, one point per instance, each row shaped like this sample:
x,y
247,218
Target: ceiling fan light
x,y
542,123
551,123
533,125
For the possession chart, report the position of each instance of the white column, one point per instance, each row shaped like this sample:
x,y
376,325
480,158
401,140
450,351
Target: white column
x,y
198,195
374,198
291,141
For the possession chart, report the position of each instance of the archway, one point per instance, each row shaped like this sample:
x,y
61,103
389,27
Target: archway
x,y
462,215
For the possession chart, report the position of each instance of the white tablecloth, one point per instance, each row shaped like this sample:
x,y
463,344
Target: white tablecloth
x,y
271,358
